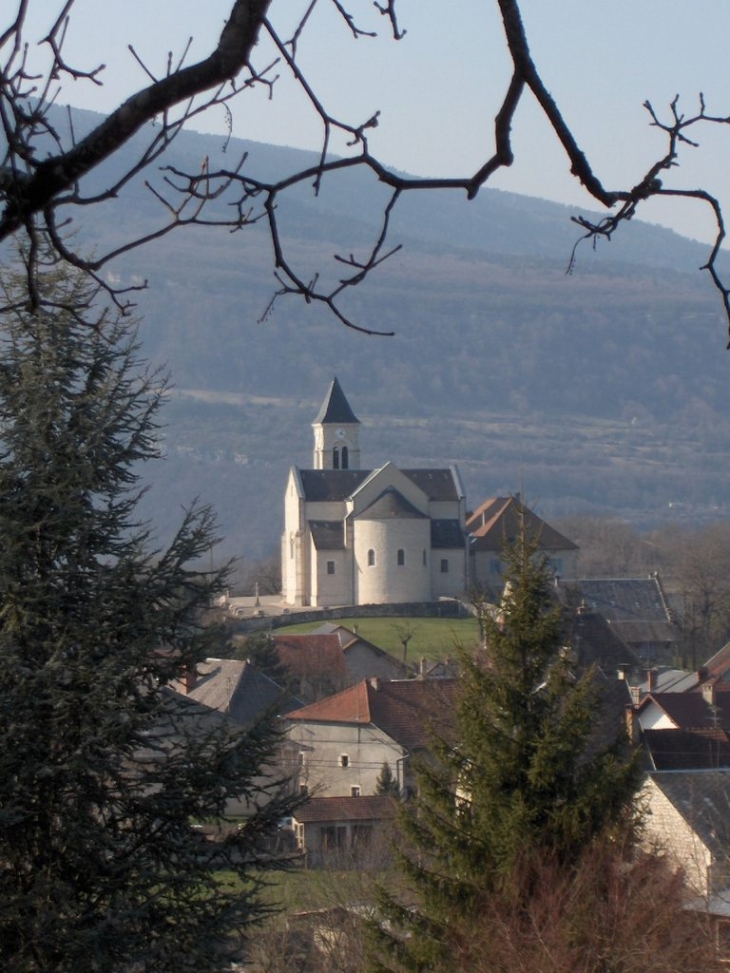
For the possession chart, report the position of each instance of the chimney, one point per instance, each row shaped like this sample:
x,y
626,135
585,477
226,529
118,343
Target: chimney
x,y
189,676
635,694
708,693
650,680
621,672
422,668
373,680
632,725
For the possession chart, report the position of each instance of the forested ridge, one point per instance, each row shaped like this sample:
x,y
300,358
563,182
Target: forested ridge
x,y
603,390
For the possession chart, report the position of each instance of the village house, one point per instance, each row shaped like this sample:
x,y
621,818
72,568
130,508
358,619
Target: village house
x,y
637,609
345,740
362,657
702,712
330,659
687,817
235,688
495,524
345,831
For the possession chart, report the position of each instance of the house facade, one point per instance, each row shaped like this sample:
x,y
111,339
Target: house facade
x,y
345,740
687,814
382,536
345,831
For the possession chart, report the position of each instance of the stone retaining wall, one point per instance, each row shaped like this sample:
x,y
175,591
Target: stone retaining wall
x,y
431,609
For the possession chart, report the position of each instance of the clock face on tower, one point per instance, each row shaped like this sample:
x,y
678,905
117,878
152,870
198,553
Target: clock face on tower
x,y
340,433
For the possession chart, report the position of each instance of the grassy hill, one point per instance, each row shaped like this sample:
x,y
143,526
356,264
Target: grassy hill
x,y
431,638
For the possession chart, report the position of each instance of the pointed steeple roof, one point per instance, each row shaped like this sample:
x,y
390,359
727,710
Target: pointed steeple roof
x,y
335,408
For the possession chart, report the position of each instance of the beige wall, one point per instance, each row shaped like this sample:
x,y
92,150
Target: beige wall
x,y
323,745
666,829
451,583
386,581
331,589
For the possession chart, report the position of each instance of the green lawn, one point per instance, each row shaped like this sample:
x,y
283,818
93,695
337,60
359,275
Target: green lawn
x,y
301,888
433,638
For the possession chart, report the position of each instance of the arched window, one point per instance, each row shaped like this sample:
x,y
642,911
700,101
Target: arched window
x,y
371,557
401,557
336,458
345,458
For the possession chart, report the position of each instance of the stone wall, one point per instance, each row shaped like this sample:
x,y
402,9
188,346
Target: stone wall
x,y
429,609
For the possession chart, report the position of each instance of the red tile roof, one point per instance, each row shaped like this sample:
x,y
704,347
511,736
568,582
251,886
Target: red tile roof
x,y
685,750
717,668
305,655
408,710
689,711
372,808
496,522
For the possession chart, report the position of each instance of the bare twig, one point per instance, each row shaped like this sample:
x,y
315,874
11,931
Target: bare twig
x,y
39,189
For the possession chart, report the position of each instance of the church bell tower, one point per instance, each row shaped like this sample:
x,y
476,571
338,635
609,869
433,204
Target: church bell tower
x,y
336,433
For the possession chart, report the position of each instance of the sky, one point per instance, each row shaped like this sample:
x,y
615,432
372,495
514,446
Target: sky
x,y
439,87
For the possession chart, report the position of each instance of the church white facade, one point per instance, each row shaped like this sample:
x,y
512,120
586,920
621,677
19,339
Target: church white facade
x,y
358,537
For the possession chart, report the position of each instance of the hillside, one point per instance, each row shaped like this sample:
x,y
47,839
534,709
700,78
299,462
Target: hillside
x,y
605,390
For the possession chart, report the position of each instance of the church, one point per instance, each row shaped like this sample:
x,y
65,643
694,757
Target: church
x,y
354,536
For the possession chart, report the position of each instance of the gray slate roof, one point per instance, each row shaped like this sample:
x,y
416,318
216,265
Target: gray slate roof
x,y
335,408
625,599
595,642
324,485
236,689
447,534
683,750
702,797
328,535
391,503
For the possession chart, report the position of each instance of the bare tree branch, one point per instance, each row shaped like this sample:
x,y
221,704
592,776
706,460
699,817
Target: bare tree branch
x,y
35,186
51,177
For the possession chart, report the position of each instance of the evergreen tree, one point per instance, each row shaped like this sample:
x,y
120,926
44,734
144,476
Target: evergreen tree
x,y
259,649
386,784
525,780
104,772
